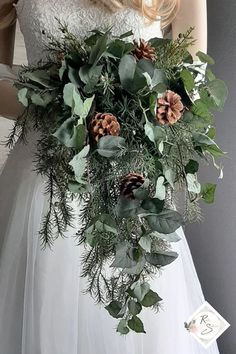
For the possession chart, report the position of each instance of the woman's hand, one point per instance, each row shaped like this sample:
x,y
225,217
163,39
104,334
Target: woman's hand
x,y
192,13
9,105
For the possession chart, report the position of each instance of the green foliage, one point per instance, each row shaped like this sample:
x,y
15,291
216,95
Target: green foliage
x,y
205,58
114,309
22,96
161,259
165,222
131,234
151,299
110,146
188,79
208,192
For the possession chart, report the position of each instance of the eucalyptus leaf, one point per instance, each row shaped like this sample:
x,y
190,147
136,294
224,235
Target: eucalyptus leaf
x,y
134,307
203,139
136,325
127,208
110,146
159,80
170,176
41,99
153,205
151,299
208,144
71,135
214,150
79,162
122,327
193,185
40,76
140,290
208,192
123,257
205,58
165,222
90,76
154,133
161,259
201,110
116,48
211,133
209,74
82,108
218,92
98,50
77,102
160,188
114,309
145,66
187,79
138,267
68,94
127,69
146,243
22,96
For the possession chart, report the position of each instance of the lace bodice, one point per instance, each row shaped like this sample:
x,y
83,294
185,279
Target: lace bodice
x,y
38,16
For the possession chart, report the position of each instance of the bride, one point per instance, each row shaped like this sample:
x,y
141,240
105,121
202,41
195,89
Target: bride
x,y
42,306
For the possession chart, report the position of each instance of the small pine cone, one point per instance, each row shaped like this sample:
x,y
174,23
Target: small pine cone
x,y
170,108
129,183
104,124
143,50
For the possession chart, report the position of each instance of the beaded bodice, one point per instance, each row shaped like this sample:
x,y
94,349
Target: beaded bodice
x,y
39,17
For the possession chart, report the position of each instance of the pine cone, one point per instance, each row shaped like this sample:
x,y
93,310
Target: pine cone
x,y
143,50
129,183
104,124
170,108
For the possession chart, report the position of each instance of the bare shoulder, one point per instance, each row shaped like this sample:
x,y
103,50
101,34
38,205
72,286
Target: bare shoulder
x,y
192,13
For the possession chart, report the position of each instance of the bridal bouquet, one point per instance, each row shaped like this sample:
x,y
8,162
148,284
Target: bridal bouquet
x,y
122,127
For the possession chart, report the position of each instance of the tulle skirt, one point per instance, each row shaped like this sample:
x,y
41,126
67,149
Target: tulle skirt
x,y
43,309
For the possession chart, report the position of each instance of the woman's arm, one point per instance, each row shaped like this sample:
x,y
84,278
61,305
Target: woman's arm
x,y
192,13
9,105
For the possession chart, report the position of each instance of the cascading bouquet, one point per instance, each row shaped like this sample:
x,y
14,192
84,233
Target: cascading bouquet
x,y
122,127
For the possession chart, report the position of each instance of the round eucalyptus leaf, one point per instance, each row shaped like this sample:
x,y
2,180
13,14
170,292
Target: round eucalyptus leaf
x,y
134,307
136,325
166,222
114,309
161,259
122,327
151,299
110,146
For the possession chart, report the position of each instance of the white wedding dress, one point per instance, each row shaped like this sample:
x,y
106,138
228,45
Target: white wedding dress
x,y
42,306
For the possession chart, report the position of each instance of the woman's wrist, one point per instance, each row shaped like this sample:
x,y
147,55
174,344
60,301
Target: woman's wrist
x,y
7,73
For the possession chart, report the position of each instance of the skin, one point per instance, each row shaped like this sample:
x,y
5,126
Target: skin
x,y
192,13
